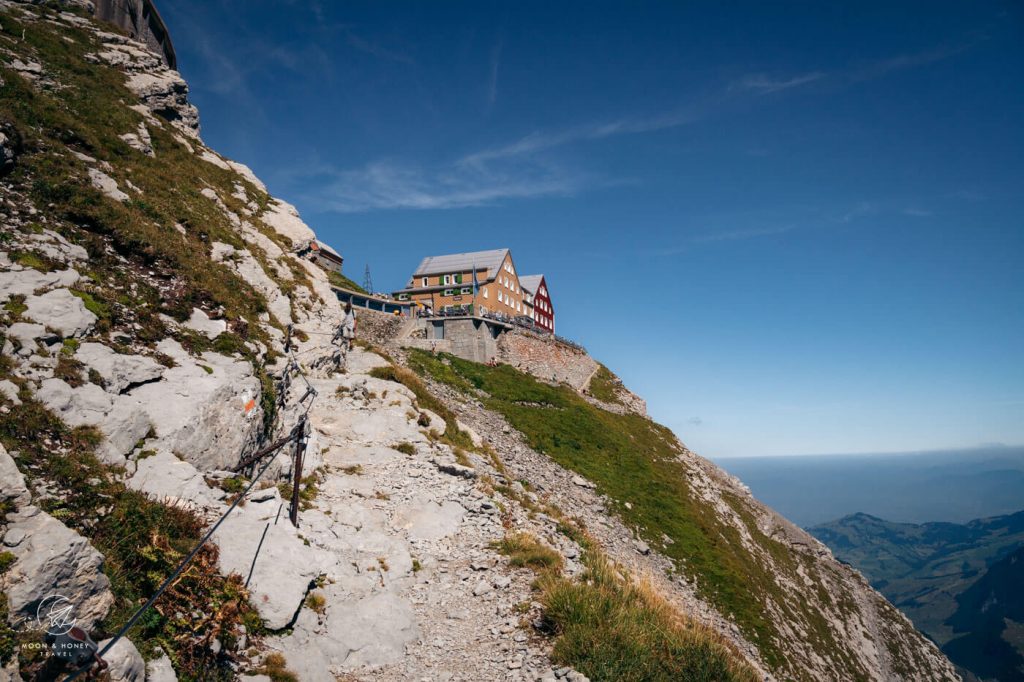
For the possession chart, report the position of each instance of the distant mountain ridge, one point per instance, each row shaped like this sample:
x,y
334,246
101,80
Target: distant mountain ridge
x,y
961,584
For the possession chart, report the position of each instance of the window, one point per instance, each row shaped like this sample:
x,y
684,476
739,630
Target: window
x,y
448,292
403,297
466,290
485,293
519,307
424,281
447,279
500,299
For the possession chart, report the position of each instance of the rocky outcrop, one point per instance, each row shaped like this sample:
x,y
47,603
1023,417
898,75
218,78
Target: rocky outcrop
x,y
142,22
52,561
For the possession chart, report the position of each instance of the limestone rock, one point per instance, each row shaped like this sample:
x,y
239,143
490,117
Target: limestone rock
x,y
9,390
165,93
124,661
106,184
430,520
27,281
55,560
61,310
248,268
140,140
160,670
284,568
119,372
120,419
12,482
25,334
165,477
201,323
208,417
284,219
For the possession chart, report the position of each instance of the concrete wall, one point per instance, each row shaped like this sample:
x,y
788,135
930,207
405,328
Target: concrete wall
x,y
546,358
142,22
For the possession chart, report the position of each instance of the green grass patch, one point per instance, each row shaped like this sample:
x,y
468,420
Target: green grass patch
x,y
605,386
339,280
524,550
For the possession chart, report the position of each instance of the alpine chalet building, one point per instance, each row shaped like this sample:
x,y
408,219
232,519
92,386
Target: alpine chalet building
x,y
539,301
446,284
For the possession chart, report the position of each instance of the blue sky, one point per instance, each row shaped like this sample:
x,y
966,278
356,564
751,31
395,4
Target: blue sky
x,y
791,228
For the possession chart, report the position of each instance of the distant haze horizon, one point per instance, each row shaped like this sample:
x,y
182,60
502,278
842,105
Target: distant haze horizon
x,y
938,485
980,447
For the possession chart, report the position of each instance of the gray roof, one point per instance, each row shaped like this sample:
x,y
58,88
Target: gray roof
x,y
462,262
530,282
328,249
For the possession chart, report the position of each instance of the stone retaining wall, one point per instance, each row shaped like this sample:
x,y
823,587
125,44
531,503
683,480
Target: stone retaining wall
x,y
546,358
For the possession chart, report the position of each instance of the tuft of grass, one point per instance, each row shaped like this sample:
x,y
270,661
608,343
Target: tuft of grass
x,y
316,602
526,551
416,565
69,370
275,666
406,448
7,559
611,628
353,470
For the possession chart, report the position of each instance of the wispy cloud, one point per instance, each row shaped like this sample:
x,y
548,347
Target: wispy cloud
x,y
492,80
748,233
883,67
763,84
695,421
520,169
392,185
542,141
916,212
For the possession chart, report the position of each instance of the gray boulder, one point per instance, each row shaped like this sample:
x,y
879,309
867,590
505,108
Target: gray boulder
x,y
120,419
9,390
200,322
12,482
285,565
166,478
124,661
26,333
206,410
61,310
119,372
160,670
107,185
54,560
26,281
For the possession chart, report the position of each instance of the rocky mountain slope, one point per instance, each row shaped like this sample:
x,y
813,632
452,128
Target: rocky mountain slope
x,y
458,521
936,573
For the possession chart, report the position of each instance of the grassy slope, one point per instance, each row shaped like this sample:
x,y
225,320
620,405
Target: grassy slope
x,y
632,459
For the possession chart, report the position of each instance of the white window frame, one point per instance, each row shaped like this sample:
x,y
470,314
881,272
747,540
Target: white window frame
x,y
425,280
485,293
447,280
